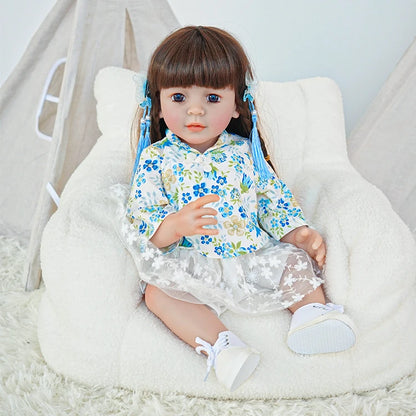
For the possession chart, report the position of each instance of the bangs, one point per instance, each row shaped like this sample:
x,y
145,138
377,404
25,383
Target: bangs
x,y
194,56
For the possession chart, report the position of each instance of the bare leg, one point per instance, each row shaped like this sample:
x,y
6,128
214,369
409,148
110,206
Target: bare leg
x,y
184,319
317,296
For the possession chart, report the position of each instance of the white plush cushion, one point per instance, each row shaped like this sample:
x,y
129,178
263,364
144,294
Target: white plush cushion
x,y
92,326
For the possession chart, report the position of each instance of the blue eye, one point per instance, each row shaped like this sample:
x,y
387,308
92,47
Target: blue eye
x,y
213,98
178,97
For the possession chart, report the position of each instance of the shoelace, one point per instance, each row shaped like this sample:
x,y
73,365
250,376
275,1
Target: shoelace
x,y
211,350
334,307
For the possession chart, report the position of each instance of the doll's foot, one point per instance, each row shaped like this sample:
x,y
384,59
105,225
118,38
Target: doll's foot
x,y
320,329
234,361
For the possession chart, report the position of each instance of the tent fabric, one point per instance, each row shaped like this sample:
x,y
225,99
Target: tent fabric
x,y
91,34
92,326
383,146
23,156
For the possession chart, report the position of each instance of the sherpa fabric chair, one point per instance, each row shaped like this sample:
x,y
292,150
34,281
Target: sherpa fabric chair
x,y
93,327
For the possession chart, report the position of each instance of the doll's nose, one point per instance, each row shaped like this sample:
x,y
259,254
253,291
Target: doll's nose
x,y
196,110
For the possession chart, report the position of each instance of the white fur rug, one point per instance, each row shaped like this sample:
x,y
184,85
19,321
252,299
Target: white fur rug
x,y
29,387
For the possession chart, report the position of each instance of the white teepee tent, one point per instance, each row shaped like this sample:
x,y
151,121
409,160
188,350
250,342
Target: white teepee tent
x,y
383,146
47,107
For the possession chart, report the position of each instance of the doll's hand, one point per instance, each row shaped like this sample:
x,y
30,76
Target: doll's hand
x,y
309,240
191,219
187,221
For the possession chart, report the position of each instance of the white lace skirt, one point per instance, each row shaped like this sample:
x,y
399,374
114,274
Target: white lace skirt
x,y
272,278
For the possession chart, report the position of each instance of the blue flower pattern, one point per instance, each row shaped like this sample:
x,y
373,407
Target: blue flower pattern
x,y
222,180
150,164
200,189
250,212
186,197
206,239
226,210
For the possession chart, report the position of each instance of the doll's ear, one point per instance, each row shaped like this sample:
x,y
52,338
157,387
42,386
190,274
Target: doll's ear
x,y
236,113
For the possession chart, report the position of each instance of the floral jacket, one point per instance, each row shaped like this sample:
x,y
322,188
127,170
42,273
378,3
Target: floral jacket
x,y
251,211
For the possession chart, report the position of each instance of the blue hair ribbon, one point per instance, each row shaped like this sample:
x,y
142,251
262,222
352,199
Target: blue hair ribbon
x,y
260,163
144,139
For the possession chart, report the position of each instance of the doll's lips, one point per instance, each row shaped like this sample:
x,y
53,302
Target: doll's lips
x,y
195,127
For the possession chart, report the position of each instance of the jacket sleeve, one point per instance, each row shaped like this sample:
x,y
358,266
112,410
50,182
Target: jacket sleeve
x,y
148,204
278,211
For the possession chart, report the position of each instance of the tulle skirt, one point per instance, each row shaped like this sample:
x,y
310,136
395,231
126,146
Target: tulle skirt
x,y
272,278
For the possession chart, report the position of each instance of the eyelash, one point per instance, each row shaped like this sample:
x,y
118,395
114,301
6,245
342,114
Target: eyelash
x,y
211,98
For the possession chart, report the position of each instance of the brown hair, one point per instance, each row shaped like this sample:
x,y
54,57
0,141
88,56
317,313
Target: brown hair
x,y
203,56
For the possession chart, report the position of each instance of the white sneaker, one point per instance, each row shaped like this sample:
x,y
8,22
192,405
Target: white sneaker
x,y
234,361
320,329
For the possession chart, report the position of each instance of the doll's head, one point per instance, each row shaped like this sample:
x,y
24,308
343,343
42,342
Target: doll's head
x,y
205,57
201,56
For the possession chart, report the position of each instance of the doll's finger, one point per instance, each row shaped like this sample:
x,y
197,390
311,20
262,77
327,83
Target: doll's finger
x,y
317,258
320,251
317,242
320,256
207,231
322,262
206,221
204,200
324,248
302,235
207,211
